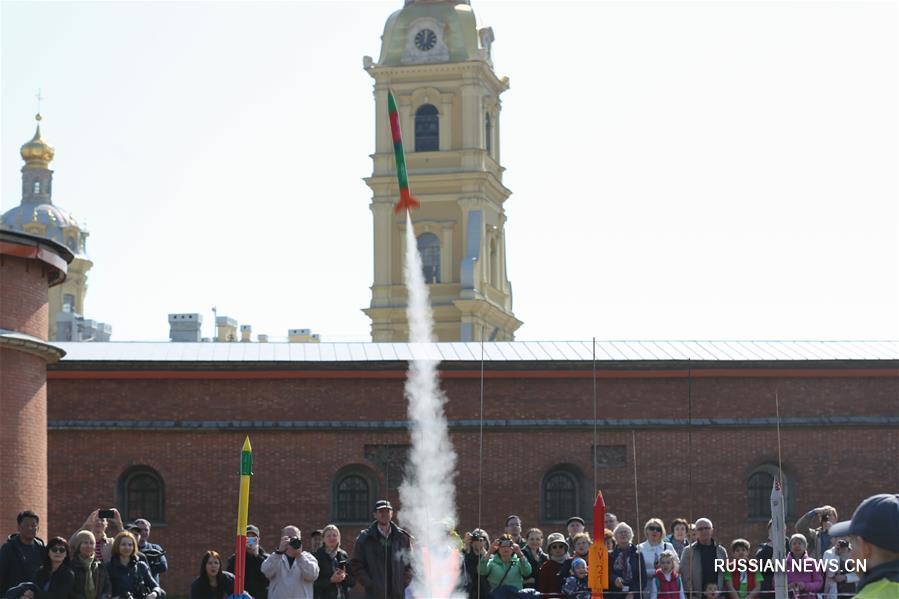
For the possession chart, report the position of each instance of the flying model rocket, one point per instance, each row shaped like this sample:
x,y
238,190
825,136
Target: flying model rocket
x,y
407,202
240,553
598,566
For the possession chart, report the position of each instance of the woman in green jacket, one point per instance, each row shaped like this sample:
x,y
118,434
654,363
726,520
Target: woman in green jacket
x,y
505,564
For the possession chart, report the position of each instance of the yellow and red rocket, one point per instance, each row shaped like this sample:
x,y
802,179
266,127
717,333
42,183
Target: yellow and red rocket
x,y
598,565
240,553
407,202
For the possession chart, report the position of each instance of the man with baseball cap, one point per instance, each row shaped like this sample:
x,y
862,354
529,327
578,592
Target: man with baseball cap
x,y
874,534
380,559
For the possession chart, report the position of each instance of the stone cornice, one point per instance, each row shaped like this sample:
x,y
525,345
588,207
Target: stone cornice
x,y
30,345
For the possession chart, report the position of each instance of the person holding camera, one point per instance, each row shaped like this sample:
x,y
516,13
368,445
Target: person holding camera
x,y
290,570
334,581
97,522
505,565
474,547
154,553
818,538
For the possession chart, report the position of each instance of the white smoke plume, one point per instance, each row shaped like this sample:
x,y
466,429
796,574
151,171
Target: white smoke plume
x,y
428,492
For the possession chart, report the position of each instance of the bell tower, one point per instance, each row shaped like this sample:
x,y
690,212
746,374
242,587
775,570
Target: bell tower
x,y
438,65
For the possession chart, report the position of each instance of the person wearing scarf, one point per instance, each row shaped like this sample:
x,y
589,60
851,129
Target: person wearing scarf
x,y
91,577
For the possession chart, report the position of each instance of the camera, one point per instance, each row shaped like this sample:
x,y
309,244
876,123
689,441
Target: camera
x,y
342,564
295,543
843,544
106,514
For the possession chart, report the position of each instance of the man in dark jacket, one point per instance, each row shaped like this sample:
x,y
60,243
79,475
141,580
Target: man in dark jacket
x,y
381,556
255,582
22,554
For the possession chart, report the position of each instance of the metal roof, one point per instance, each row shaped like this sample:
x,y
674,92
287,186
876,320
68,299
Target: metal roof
x,y
516,351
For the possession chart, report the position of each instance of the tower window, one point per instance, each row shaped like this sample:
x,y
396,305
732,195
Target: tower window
x,y
142,494
68,302
37,187
560,494
427,129
429,248
488,132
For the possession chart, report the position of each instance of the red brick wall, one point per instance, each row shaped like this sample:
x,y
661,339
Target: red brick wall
x,y
23,296
294,469
23,392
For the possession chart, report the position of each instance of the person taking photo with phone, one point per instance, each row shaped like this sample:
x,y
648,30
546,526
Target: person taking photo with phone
x,y
334,581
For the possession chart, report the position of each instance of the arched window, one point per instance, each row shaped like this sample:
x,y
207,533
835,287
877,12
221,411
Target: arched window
x,y
758,491
427,129
429,248
488,133
37,187
560,496
353,497
142,495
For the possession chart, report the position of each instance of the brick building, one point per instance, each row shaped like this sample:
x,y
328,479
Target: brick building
x,y
156,430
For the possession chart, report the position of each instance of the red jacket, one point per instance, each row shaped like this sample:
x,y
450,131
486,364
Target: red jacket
x,y
548,580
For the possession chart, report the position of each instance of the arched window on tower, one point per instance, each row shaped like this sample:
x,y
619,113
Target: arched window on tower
x,y
427,129
758,492
429,248
37,187
560,495
488,134
142,495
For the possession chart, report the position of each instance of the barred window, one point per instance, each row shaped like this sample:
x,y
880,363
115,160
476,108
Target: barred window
x,y
427,129
353,499
758,491
142,495
488,134
560,493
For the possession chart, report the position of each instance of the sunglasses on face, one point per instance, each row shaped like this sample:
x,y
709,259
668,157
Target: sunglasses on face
x,y
57,549
557,546
653,529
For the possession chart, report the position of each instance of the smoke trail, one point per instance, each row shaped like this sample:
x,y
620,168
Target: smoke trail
x,y
428,494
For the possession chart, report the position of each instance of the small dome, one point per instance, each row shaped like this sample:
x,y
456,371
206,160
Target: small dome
x,y
58,224
37,153
450,33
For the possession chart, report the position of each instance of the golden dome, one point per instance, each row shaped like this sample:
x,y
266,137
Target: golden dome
x,y
37,153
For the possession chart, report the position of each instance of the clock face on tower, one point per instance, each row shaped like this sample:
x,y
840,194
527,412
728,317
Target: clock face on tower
x,y
425,40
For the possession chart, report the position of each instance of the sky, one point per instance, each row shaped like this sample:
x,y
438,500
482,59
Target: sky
x,y
680,170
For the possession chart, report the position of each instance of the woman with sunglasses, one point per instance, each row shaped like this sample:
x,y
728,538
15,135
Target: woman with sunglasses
x,y
548,580
127,573
91,576
474,547
55,578
652,548
505,565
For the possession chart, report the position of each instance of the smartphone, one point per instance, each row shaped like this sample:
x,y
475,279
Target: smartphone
x,y
106,514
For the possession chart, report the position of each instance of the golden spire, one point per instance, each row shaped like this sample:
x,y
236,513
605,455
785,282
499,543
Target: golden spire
x,y
37,153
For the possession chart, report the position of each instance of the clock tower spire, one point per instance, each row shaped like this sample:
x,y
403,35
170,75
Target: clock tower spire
x,y
439,66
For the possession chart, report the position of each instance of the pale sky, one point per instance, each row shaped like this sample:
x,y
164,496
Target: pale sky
x,y
695,170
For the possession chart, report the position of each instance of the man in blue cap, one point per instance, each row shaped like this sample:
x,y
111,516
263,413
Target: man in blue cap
x,y
874,533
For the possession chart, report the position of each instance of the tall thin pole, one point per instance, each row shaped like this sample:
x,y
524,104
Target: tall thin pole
x,y
595,423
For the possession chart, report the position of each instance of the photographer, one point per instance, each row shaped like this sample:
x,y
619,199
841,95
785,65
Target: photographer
x,y
818,538
333,582
154,553
290,570
841,582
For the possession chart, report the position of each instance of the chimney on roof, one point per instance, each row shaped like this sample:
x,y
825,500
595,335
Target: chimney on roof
x,y
225,329
185,327
302,336
245,332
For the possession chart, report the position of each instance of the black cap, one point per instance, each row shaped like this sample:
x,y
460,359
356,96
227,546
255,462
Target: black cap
x,y
576,519
876,520
132,526
381,504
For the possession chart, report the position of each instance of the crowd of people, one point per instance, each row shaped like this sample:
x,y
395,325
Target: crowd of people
x,y
677,562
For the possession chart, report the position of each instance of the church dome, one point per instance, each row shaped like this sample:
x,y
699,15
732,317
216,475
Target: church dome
x,y
37,152
428,31
47,220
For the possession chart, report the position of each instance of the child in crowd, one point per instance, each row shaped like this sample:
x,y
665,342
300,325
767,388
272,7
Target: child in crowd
x,y
710,590
745,584
666,582
575,587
